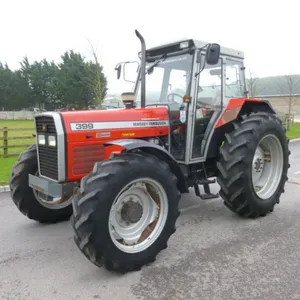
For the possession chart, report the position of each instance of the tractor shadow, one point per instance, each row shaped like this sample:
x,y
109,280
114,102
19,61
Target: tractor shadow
x,y
195,210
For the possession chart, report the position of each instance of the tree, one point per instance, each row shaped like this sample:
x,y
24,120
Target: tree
x,y
14,90
255,85
290,87
72,79
21,92
81,83
252,83
42,80
72,83
98,80
5,85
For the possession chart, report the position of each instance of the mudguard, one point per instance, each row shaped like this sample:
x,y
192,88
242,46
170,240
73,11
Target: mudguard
x,y
160,152
240,106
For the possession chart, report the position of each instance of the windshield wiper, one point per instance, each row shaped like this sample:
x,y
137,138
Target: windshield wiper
x,y
161,59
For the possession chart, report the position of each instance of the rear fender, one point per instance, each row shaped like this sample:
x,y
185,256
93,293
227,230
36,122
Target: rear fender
x,y
126,145
237,107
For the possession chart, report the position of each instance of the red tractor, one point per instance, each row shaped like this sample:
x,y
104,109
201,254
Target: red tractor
x,y
119,174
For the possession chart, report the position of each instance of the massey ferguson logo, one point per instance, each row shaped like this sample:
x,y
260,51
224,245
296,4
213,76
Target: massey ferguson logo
x,y
44,127
150,123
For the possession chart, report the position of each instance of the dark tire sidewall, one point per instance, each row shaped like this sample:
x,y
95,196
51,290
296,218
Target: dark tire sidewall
x,y
30,167
25,198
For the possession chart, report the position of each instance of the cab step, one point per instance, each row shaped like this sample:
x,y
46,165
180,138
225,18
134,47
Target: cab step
x,y
207,193
206,181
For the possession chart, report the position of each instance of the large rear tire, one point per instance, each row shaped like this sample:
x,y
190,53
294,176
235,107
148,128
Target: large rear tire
x,y
253,165
126,211
31,203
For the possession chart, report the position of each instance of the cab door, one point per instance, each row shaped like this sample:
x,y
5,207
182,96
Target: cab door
x,y
178,86
207,107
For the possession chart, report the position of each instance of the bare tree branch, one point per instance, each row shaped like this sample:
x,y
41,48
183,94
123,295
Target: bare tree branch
x,y
254,86
289,87
97,84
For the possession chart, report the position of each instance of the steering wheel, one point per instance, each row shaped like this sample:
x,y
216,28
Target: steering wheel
x,y
173,94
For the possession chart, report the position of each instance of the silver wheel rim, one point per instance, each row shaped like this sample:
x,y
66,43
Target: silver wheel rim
x,y
267,166
138,215
50,202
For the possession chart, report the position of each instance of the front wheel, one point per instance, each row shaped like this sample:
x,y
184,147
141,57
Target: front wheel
x,y
33,204
126,211
253,165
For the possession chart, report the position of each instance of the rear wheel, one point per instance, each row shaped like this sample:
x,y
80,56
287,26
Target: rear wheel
x,y
126,211
33,204
253,165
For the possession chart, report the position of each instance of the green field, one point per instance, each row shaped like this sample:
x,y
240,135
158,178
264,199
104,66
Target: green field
x,y
294,132
6,163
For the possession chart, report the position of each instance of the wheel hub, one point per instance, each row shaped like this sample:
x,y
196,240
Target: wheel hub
x,y
267,166
138,215
132,212
258,165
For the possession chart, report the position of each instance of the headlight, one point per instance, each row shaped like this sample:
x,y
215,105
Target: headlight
x,y
51,141
41,139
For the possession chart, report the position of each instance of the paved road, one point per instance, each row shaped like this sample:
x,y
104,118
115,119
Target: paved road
x,y
294,172
213,255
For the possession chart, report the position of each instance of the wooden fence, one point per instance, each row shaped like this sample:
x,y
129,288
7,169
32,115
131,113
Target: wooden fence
x,y
6,144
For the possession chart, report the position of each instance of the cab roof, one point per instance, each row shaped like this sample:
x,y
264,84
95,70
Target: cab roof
x,y
192,43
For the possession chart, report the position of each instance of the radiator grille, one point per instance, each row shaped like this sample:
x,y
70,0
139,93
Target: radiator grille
x,y
48,121
48,162
47,155
86,156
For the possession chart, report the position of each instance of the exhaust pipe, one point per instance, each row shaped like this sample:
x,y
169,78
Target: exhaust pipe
x,y
143,69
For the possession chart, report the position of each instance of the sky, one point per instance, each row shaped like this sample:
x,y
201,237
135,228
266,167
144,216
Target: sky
x,y
265,31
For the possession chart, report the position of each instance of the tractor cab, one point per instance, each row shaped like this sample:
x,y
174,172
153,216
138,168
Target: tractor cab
x,y
195,81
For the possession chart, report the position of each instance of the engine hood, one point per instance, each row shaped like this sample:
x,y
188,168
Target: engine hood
x,y
117,115
104,125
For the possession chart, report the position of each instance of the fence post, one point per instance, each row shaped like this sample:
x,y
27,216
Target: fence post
x,y
5,142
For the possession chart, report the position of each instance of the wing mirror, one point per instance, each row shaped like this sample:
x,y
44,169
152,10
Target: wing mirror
x,y
118,68
213,54
129,67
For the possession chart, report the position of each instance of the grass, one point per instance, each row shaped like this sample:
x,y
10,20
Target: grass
x,y
7,163
6,166
294,131
18,133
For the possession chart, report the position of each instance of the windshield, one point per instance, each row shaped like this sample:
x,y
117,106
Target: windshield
x,y
168,82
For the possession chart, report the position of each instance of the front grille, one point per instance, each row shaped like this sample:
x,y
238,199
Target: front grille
x,y
48,161
85,157
48,157
48,121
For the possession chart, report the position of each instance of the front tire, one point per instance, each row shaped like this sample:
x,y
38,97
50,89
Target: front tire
x,y
253,165
126,211
29,201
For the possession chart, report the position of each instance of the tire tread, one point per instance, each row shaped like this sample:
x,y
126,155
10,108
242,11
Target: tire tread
x,y
233,172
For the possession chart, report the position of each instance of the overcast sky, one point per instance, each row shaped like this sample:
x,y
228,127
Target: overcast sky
x,y
264,30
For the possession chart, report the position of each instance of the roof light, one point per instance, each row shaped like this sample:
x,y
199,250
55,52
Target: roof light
x,y
184,45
